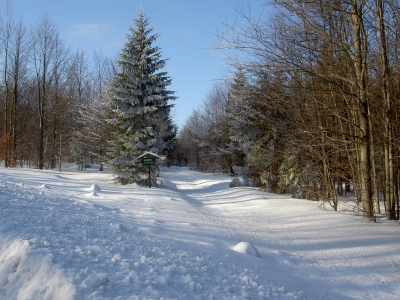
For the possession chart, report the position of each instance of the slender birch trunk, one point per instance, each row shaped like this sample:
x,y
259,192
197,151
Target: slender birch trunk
x,y
359,42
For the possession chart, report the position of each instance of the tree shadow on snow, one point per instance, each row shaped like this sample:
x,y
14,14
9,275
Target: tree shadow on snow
x,y
190,200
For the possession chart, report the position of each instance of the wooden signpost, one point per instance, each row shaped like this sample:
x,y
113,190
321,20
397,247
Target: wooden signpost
x,y
149,159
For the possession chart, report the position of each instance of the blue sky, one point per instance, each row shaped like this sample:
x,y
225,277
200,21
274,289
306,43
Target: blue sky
x,y
182,24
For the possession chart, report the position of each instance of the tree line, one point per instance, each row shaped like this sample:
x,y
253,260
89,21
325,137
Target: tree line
x,y
46,92
312,104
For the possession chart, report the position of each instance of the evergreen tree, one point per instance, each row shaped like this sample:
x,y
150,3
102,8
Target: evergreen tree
x,y
170,138
139,100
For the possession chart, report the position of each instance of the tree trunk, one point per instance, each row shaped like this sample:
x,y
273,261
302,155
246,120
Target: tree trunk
x,y
41,127
360,49
388,136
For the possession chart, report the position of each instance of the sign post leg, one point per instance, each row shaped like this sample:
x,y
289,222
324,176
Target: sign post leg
x,y
149,178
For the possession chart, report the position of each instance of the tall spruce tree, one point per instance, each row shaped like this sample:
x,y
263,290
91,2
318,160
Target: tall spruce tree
x,y
139,100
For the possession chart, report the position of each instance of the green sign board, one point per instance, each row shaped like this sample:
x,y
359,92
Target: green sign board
x,y
148,161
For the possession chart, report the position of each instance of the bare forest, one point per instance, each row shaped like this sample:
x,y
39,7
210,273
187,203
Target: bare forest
x,y
53,99
312,105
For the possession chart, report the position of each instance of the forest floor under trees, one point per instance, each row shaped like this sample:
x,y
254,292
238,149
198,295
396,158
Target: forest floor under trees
x,y
77,235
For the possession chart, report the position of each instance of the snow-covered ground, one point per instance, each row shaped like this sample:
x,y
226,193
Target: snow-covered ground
x,y
77,235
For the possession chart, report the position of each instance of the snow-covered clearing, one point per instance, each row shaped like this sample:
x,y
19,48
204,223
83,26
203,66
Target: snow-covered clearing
x,y
77,235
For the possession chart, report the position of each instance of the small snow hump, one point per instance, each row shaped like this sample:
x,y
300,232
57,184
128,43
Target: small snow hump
x,y
95,188
44,186
119,227
246,248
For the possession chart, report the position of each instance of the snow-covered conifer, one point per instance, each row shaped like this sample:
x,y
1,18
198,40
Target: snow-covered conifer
x,y
139,100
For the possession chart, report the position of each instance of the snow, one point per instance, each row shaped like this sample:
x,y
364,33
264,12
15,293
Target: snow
x,y
191,238
149,153
95,188
246,248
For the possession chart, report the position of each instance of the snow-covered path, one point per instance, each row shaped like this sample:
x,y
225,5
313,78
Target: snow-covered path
x,y
343,256
61,237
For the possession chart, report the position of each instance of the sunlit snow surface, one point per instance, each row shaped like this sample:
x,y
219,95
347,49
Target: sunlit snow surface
x,y
77,235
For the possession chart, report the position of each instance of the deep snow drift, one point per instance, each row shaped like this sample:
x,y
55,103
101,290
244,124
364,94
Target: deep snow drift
x,y
77,235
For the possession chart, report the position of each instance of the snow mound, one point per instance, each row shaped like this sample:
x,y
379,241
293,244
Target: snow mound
x,y
26,275
246,248
94,281
119,227
95,188
45,186
92,194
